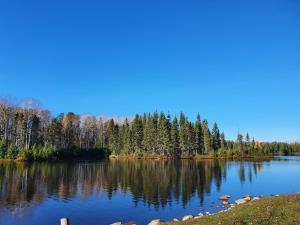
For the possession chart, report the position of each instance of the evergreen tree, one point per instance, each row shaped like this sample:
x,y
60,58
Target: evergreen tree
x,y
126,137
240,144
55,131
175,137
223,141
154,133
182,135
206,137
215,135
247,145
164,142
198,135
137,134
191,146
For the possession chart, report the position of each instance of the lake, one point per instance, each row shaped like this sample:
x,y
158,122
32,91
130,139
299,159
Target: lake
x,y
102,192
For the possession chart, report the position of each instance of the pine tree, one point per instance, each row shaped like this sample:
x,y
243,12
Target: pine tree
x,y
137,134
175,137
206,137
191,146
247,145
154,132
164,141
215,135
126,137
182,135
147,140
223,141
240,144
198,135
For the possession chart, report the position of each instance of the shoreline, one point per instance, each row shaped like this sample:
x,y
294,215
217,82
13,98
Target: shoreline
x,y
197,157
250,204
150,158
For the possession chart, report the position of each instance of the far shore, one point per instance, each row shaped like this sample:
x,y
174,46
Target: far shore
x,y
197,157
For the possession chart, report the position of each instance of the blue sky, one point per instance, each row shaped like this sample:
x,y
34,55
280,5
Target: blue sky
x,y
235,62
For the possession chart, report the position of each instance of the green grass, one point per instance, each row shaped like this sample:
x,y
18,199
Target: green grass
x,y
281,210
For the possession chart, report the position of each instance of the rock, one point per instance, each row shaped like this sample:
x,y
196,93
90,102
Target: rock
x,y
255,198
154,222
116,223
225,203
207,213
197,217
200,214
276,195
224,197
240,201
130,223
248,198
175,220
187,217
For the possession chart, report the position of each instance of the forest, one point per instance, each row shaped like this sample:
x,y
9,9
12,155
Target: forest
x,y
28,132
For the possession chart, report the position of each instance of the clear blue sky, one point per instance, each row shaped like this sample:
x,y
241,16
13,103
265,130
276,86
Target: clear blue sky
x,y
235,62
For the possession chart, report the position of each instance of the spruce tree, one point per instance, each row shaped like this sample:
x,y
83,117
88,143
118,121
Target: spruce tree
x,y
247,144
240,144
148,132
137,134
206,137
182,135
198,135
215,135
223,141
175,138
163,138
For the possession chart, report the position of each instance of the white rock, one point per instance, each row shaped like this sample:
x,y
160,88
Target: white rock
x,y
207,213
247,198
200,214
154,222
116,223
187,217
224,197
255,198
240,201
225,203
175,220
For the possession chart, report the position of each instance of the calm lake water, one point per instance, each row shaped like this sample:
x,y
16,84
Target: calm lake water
x,y
103,192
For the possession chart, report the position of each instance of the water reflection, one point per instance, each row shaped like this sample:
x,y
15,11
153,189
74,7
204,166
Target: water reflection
x,y
157,183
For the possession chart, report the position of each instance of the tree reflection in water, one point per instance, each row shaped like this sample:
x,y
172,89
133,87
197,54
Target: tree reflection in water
x,y
156,183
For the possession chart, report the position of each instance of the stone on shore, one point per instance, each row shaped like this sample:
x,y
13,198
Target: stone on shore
x,y
116,223
200,214
247,198
187,217
154,222
176,220
255,198
224,197
225,203
240,201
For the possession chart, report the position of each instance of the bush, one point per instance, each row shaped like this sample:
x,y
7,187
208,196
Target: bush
x,y
11,152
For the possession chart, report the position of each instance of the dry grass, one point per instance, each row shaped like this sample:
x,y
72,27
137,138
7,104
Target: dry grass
x,y
282,210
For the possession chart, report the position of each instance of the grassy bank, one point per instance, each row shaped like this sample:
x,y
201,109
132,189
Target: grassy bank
x,y
283,210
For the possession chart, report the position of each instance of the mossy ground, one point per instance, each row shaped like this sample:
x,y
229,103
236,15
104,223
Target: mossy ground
x,y
281,210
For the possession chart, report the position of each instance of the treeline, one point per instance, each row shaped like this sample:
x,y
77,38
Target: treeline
x,y
30,133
